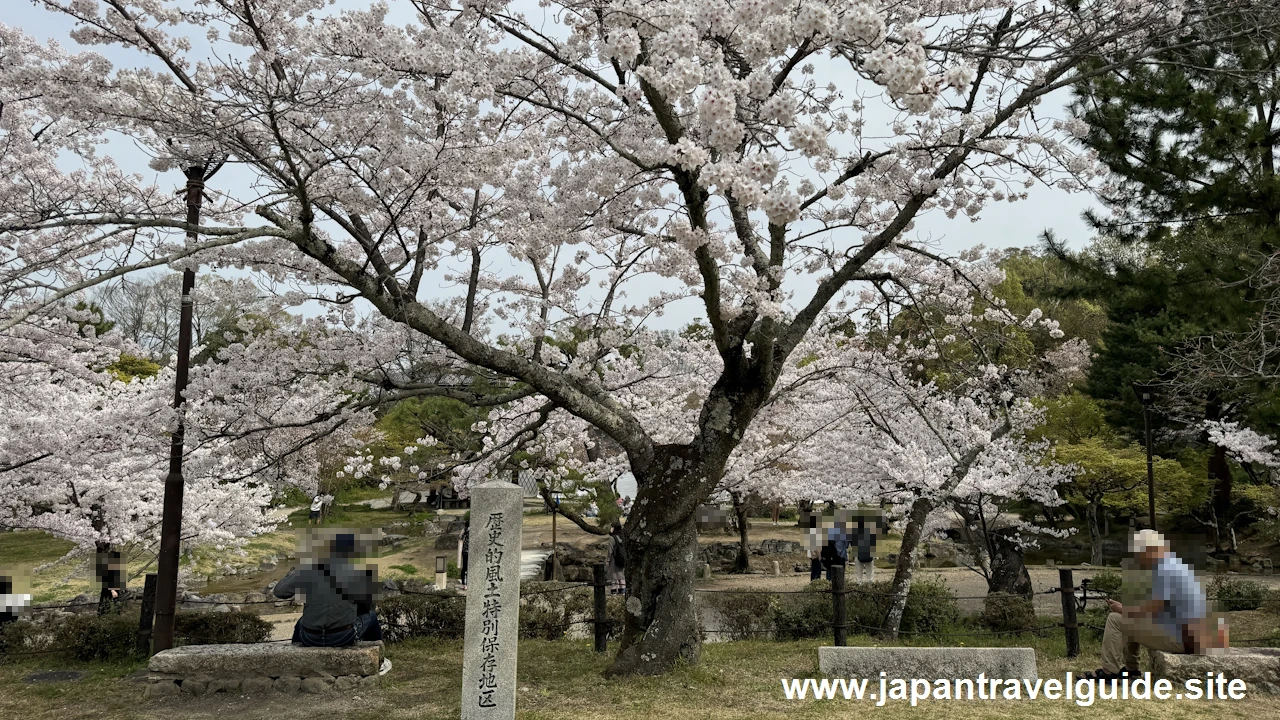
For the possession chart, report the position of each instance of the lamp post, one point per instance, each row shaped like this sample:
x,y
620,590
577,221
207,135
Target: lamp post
x,y
174,482
442,572
1146,395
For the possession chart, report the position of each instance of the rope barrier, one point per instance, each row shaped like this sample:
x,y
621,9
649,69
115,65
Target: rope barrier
x,y
986,633
847,591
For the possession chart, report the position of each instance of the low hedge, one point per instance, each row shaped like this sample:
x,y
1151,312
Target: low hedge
x,y
1232,594
549,610
422,614
216,628
931,607
1005,613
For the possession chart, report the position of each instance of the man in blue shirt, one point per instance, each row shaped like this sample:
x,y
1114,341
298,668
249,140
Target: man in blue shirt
x,y
1172,621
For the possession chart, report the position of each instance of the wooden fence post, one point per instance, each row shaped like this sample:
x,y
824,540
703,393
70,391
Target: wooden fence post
x,y
839,606
147,616
601,609
1070,625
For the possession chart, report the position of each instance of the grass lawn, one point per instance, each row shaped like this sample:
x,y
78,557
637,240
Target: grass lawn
x,y
565,679
29,548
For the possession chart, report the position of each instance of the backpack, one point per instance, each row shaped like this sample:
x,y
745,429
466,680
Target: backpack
x,y
831,556
619,552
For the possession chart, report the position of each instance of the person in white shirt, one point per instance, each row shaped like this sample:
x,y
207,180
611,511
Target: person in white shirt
x,y
317,504
11,605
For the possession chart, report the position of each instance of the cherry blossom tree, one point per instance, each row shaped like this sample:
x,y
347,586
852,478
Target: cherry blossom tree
x,y
575,176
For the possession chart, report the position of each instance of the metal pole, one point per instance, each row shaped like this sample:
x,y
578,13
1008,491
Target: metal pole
x,y
839,606
601,611
174,483
1151,477
1070,625
555,549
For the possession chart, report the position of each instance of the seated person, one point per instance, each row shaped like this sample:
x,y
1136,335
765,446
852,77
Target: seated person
x,y
1172,621
339,598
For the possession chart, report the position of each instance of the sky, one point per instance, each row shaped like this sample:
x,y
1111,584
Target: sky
x,y
999,225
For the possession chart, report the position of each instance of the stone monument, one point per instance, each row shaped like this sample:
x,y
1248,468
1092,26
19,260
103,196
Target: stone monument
x,y
493,602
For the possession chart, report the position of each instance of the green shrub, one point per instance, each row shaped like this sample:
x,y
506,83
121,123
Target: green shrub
x,y
546,610
220,628
1092,621
1108,582
454,572
24,636
1232,594
803,615
931,606
428,614
743,616
1002,612
93,637
406,569
1272,603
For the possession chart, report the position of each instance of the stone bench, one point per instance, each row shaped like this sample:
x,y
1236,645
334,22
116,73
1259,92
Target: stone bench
x,y
1258,667
927,662
251,669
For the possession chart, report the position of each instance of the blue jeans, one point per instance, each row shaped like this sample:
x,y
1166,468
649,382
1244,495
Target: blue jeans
x,y
366,627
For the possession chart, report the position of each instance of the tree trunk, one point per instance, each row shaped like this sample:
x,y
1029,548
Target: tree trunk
x,y
1095,535
905,570
742,563
661,539
1219,472
914,531
1008,571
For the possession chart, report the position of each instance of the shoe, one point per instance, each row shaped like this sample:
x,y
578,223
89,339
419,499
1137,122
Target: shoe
x,y
386,666
1101,674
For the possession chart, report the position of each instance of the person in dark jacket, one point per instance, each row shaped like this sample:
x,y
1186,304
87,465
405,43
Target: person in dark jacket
x,y
835,553
339,598
617,561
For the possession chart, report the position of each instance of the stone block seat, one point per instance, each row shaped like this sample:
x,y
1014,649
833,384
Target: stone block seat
x,y
927,662
1258,667
258,668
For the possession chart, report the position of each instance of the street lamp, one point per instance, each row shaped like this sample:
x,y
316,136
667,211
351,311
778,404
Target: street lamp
x,y
1146,395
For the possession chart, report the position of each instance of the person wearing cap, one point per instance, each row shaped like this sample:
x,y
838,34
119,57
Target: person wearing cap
x,y
1172,621
339,597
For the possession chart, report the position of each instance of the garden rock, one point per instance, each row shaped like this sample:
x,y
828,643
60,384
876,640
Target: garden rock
x,y
346,683
227,685
1258,667
316,686
251,660
257,685
287,684
255,669
163,688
